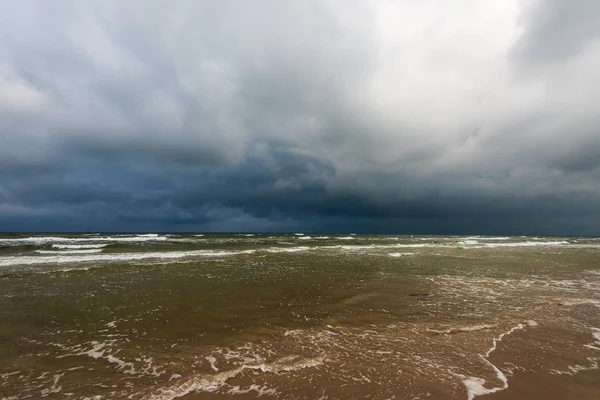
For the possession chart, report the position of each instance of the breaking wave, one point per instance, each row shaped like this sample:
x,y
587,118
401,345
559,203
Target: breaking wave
x,y
56,259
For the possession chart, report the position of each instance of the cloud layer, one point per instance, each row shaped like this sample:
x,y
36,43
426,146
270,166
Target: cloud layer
x,y
414,116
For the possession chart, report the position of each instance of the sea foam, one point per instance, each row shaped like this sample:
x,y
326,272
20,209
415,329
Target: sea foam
x,y
79,246
219,379
475,385
57,259
40,240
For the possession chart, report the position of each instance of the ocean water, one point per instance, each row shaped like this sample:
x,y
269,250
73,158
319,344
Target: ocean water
x,y
298,316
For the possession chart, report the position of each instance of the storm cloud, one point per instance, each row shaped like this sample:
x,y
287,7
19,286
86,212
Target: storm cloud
x,y
338,115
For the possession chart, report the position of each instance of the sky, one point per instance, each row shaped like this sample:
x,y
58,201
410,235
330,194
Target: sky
x,y
412,116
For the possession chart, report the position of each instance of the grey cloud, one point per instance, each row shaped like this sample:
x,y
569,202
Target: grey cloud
x,y
556,30
320,115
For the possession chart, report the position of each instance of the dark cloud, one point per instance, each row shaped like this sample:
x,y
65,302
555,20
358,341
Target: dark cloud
x,y
317,115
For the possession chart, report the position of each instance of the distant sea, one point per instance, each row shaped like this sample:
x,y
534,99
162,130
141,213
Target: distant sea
x,y
298,316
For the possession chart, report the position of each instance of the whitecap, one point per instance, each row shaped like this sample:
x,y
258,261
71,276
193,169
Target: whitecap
x,y
114,257
79,246
400,254
68,251
39,240
468,242
517,244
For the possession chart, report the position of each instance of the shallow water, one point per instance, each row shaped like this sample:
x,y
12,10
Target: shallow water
x,y
289,316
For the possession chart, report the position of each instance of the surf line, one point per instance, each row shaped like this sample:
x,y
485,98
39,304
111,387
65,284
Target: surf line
x,y
475,386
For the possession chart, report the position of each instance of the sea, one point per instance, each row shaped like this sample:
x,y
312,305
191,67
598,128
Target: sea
x,y
298,316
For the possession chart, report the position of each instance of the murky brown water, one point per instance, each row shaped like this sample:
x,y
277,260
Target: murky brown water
x,y
298,317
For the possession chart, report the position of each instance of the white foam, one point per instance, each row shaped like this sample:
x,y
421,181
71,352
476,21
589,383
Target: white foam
x,y
287,249
345,238
37,240
215,381
596,335
514,244
468,242
212,361
304,237
102,351
299,234
58,252
78,246
322,237
260,390
593,361
578,302
352,247
476,386
382,246
400,254
59,259
488,237
471,328
529,243
54,388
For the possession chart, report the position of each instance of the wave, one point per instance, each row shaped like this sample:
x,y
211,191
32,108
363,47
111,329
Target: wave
x,y
596,335
215,381
39,240
477,245
529,243
488,237
475,386
59,259
287,249
472,328
78,246
141,366
578,302
69,251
